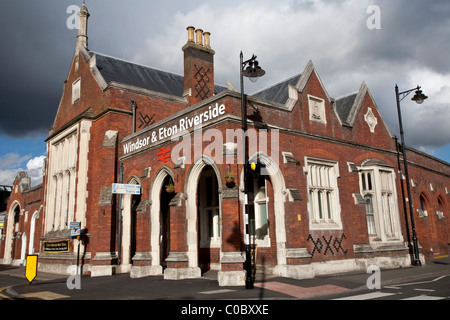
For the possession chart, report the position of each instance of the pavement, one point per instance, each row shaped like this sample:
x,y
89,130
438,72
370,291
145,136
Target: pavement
x,y
266,288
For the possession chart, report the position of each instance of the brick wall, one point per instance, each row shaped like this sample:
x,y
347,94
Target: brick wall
x,y
29,202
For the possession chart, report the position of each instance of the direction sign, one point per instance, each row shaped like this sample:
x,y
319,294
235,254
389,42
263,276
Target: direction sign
x,y
119,188
31,267
75,229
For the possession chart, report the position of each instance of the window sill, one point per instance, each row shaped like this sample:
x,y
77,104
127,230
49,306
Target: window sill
x,y
325,226
388,245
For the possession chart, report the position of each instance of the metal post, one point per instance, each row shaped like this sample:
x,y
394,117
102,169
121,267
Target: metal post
x,y
416,261
78,255
248,279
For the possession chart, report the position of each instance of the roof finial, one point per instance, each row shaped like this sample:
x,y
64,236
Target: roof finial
x,y
82,39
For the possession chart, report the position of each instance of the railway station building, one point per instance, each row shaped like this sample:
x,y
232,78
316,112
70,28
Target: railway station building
x,y
326,190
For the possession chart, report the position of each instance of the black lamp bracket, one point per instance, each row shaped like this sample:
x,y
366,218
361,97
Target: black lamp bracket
x,y
245,63
404,94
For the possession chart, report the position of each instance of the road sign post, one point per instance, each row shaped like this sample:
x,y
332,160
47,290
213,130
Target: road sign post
x,y
75,232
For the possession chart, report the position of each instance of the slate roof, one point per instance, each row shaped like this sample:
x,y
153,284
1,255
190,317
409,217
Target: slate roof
x,y
344,106
279,92
130,73
125,72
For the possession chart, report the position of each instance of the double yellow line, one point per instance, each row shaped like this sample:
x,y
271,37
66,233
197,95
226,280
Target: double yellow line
x,y
437,255
2,296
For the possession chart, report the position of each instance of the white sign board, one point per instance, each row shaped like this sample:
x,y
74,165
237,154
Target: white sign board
x,y
75,229
118,188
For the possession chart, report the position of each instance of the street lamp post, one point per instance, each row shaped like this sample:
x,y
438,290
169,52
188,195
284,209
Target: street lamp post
x,y
249,69
419,98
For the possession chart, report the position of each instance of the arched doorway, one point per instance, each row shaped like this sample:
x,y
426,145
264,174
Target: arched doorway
x,y
128,246
203,250
23,251
268,189
135,201
160,219
12,228
32,232
209,220
164,219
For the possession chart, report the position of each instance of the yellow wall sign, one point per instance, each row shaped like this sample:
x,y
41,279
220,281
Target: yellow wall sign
x,y
59,246
31,268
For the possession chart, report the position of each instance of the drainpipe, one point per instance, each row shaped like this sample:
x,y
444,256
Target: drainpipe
x,y
119,240
133,125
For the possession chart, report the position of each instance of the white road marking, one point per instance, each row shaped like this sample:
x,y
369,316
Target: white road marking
x,y
217,291
367,296
421,282
427,290
424,297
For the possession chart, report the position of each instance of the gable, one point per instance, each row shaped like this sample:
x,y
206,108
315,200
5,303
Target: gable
x,y
348,109
91,74
286,92
80,94
354,117
305,78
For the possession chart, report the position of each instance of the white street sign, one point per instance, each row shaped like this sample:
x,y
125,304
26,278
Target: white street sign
x,y
75,229
118,188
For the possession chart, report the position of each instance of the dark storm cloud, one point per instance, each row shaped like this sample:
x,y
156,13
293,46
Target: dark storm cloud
x,y
415,31
410,48
38,48
34,63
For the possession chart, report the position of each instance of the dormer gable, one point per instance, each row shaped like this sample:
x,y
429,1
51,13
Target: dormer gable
x,y
348,109
286,93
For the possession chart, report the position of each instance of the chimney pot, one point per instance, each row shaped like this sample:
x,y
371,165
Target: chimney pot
x,y
199,34
207,39
190,30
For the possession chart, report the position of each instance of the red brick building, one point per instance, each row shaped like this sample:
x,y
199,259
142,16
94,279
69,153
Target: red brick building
x,y
327,194
20,229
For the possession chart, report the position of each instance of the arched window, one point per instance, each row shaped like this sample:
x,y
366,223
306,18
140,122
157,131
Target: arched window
x,y
209,209
324,208
370,213
258,215
61,183
440,210
377,183
423,206
16,218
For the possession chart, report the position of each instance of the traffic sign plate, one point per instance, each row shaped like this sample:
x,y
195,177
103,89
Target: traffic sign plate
x,y
75,229
119,188
31,267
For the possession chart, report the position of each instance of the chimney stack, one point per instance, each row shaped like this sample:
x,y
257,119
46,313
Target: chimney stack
x,y
198,66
